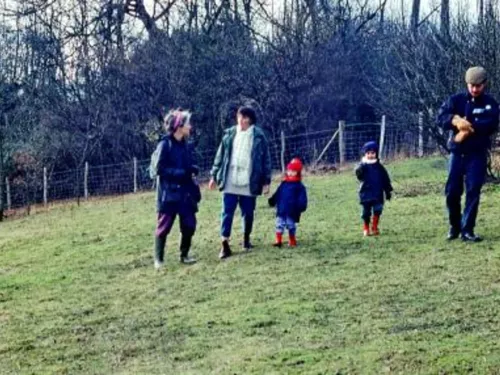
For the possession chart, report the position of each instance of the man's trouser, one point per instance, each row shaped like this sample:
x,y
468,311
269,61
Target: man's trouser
x,y
472,167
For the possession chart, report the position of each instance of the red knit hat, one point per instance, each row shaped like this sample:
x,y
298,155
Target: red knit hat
x,y
295,165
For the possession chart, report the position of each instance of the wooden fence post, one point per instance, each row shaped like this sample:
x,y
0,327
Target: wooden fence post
x,y
86,181
342,142
283,149
45,187
135,175
420,134
431,144
382,138
7,191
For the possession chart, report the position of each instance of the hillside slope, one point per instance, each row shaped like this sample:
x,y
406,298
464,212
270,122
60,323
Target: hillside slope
x,y
78,293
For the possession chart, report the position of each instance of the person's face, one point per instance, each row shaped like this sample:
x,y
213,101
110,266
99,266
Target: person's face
x,y
371,155
291,173
243,122
476,90
186,130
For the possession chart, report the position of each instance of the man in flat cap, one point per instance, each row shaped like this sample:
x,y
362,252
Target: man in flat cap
x,y
471,117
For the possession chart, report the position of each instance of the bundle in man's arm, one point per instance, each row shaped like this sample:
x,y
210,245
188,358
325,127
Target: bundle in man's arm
x,y
464,128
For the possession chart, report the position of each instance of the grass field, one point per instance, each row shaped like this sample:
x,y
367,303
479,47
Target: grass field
x,y
79,295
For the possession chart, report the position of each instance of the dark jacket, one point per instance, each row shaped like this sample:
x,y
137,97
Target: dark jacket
x,y
375,182
261,161
481,112
290,200
176,168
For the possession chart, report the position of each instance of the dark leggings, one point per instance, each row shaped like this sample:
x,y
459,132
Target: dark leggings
x,y
370,207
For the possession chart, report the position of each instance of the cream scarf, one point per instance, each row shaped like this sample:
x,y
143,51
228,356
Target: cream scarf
x,y
364,160
241,157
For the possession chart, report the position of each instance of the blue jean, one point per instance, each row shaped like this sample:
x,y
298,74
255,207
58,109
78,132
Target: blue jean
x,y
368,207
283,223
247,207
473,168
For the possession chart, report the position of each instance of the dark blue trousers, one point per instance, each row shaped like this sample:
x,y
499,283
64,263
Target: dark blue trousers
x,y
368,207
472,167
229,204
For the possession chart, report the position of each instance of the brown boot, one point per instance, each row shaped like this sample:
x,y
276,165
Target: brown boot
x,y
225,251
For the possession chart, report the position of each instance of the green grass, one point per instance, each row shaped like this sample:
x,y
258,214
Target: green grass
x,y
78,293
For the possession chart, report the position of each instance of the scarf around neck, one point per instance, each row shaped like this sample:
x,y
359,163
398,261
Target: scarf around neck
x,y
241,159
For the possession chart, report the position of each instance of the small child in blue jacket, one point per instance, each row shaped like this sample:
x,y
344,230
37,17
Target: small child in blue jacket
x,y
290,201
375,182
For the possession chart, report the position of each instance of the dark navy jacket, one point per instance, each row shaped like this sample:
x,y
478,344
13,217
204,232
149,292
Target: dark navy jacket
x,y
481,112
290,200
375,182
175,170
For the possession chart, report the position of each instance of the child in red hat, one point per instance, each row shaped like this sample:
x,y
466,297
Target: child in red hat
x,y
290,201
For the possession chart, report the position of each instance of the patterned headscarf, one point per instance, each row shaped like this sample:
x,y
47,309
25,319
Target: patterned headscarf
x,y
176,119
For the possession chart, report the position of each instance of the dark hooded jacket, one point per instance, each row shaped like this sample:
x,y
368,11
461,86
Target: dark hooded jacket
x,y
290,200
176,168
375,182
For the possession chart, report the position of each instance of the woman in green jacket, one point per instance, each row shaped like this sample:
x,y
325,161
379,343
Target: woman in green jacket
x,y
242,171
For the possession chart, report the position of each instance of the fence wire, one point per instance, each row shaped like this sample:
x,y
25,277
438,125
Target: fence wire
x,y
116,179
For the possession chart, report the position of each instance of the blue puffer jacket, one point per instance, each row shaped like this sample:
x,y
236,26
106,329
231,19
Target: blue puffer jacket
x,y
375,182
290,200
175,171
481,112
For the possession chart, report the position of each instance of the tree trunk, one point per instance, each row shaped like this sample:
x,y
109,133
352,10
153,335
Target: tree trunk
x,y
311,4
480,11
382,17
445,19
247,6
415,16
148,21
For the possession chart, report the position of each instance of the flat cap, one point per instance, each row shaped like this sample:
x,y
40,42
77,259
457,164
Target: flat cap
x,y
476,75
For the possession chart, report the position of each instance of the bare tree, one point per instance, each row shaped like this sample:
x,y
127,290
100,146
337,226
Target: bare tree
x,y
415,16
445,19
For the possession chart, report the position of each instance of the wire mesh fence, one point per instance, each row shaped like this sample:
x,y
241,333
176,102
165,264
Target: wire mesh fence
x,y
341,144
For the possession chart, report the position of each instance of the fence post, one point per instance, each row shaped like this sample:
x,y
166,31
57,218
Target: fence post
x,y
382,138
45,187
86,181
283,149
7,191
420,134
341,142
135,174
431,144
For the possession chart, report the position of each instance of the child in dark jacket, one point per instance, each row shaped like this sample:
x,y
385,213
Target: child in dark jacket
x,y
375,182
290,201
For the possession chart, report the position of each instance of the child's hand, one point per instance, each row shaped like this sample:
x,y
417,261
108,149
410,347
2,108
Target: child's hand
x,y
272,201
360,171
